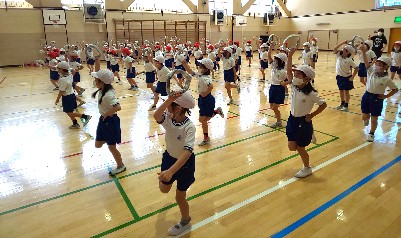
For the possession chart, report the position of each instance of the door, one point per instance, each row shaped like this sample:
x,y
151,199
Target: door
x,y
395,34
333,35
322,37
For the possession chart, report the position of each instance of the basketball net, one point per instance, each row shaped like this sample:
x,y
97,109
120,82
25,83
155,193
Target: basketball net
x,y
55,25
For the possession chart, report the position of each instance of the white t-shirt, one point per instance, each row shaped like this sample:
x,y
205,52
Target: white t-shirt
x,y
302,104
239,51
53,63
179,135
263,55
159,52
370,54
149,67
177,62
74,65
396,59
107,57
376,84
228,63
109,100
168,55
78,53
307,57
127,61
314,49
162,74
343,66
65,85
248,48
212,56
90,55
278,76
114,60
203,82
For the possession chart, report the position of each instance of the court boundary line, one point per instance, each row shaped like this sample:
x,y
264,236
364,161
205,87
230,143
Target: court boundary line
x,y
273,189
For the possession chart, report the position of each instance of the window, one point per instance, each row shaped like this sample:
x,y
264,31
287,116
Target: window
x,y
156,5
387,3
260,7
221,5
15,4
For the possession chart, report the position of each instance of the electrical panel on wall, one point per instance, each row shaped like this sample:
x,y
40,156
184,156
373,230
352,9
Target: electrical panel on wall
x,y
268,19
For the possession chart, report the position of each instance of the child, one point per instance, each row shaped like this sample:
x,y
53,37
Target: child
x,y
90,60
108,129
206,101
371,56
168,57
299,128
150,74
115,68
248,51
315,52
345,76
239,59
306,55
54,76
130,69
263,61
277,88
178,162
230,75
107,57
68,97
396,60
377,81
75,67
161,87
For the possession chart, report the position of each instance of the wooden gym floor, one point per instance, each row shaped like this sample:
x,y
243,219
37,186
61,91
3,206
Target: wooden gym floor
x,y
54,183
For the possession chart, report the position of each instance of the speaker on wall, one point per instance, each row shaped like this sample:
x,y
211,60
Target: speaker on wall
x,y
219,17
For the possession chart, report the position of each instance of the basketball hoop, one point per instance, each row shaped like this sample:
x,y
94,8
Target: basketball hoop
x,y
55,23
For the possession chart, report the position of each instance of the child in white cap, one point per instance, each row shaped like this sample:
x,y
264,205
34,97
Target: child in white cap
x,y
396,60
108,129
161,87
178,162
371,57
263,61
299,128
315,51
345,76
377,81
230,74
68,97
206,101
248,52
277,87
306,55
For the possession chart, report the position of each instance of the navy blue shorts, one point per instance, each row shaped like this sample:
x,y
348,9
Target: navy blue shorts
x,y
54,75
115,68
109,130
185,176
78,60
263,64
76,77
371,104
131,75
239,60
248,54
196,62
362,70
276,94
179,67
214,65
236,67
69,103
90,61
228,76
206,105
395,69
344,83
314,57
150,77
161,88
136,53
169,62
217,59
299,130
108,64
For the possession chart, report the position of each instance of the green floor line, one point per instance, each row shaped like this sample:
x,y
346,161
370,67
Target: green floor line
x,y
54,198
209,190
126,199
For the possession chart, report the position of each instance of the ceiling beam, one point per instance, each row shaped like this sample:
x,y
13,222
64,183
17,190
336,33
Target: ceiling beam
x,y
192,7
283,8
245,8
117,5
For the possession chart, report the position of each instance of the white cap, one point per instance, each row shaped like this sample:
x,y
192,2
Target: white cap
x,y
349,49
63,65
228,49
234,46
306,44
186,100
307,70
159,59
179,47
208,63
282,56
62,49
105,75
263,45
197,54
385,60
369,43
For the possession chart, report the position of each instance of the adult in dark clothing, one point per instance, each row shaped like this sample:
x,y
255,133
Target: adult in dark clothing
x,y
379,42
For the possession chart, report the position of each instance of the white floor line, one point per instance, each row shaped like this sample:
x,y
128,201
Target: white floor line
x,y
229,210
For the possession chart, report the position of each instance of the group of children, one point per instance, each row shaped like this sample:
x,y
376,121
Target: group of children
x,y
178,161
